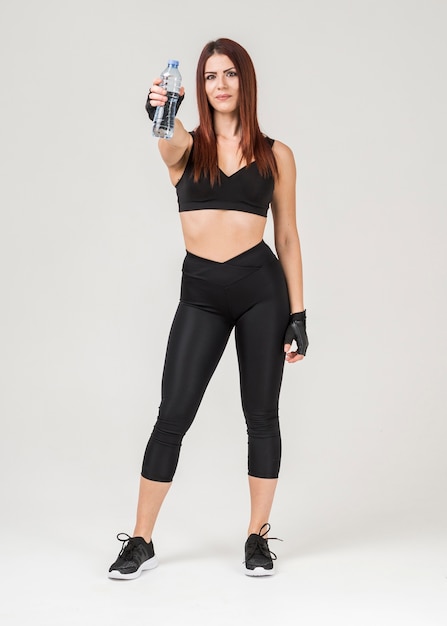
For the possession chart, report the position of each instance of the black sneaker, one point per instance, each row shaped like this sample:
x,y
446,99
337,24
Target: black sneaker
x,y
136,555
258,557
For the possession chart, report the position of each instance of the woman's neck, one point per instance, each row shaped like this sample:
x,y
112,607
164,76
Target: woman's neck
x,y
227,126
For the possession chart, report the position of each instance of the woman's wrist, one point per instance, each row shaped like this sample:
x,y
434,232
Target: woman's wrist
x,y
298,317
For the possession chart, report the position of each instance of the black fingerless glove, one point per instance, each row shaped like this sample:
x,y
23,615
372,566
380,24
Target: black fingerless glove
x,y
297,330
151,110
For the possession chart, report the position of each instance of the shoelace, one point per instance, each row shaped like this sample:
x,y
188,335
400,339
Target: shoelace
x,y
127,547
261,543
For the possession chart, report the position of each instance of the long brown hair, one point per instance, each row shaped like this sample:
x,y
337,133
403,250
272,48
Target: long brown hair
x,y
254,145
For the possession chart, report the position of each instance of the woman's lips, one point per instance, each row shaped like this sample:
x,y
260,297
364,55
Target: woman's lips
x,y
223,97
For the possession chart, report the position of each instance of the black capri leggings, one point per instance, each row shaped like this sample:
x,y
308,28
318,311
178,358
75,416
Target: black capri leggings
x,y
248,293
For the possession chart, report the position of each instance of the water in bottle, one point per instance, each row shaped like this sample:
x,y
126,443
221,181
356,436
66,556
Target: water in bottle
x,y
165,115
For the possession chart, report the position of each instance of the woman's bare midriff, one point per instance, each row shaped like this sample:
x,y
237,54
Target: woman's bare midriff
x,y
219,234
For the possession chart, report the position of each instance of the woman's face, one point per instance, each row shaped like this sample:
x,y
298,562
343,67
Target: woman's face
x,y
222,84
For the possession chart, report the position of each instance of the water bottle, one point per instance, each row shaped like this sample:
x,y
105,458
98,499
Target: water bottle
x,y
165,115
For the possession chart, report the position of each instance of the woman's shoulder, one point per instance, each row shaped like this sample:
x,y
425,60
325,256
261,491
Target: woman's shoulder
x,y
283,154
279,148
285,160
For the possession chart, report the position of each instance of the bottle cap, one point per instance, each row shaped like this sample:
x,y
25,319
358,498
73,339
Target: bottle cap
x,y
173,62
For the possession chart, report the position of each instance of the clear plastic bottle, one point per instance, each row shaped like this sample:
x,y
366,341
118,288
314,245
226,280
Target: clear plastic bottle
x,y
165,115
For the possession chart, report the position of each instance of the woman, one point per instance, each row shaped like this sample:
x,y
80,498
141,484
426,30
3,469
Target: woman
x,y
226,174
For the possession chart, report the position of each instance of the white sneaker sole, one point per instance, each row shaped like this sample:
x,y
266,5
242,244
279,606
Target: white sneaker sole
x,y
259,571
149,564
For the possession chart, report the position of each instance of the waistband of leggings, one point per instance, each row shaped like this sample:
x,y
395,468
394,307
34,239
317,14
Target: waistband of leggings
x,y
257,255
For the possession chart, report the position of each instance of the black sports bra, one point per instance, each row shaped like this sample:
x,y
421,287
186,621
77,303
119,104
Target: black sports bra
x,y
245,190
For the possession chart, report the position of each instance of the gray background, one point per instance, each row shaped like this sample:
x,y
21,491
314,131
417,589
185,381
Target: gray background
x,y
91,251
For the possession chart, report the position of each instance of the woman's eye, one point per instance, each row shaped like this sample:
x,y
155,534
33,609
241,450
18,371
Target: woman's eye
x,y
231,74
209,76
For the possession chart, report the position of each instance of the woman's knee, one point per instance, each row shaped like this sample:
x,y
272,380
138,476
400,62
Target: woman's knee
x,y
262,424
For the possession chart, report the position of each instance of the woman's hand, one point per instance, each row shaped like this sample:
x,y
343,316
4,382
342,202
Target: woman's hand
x,y
296,330
157,97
